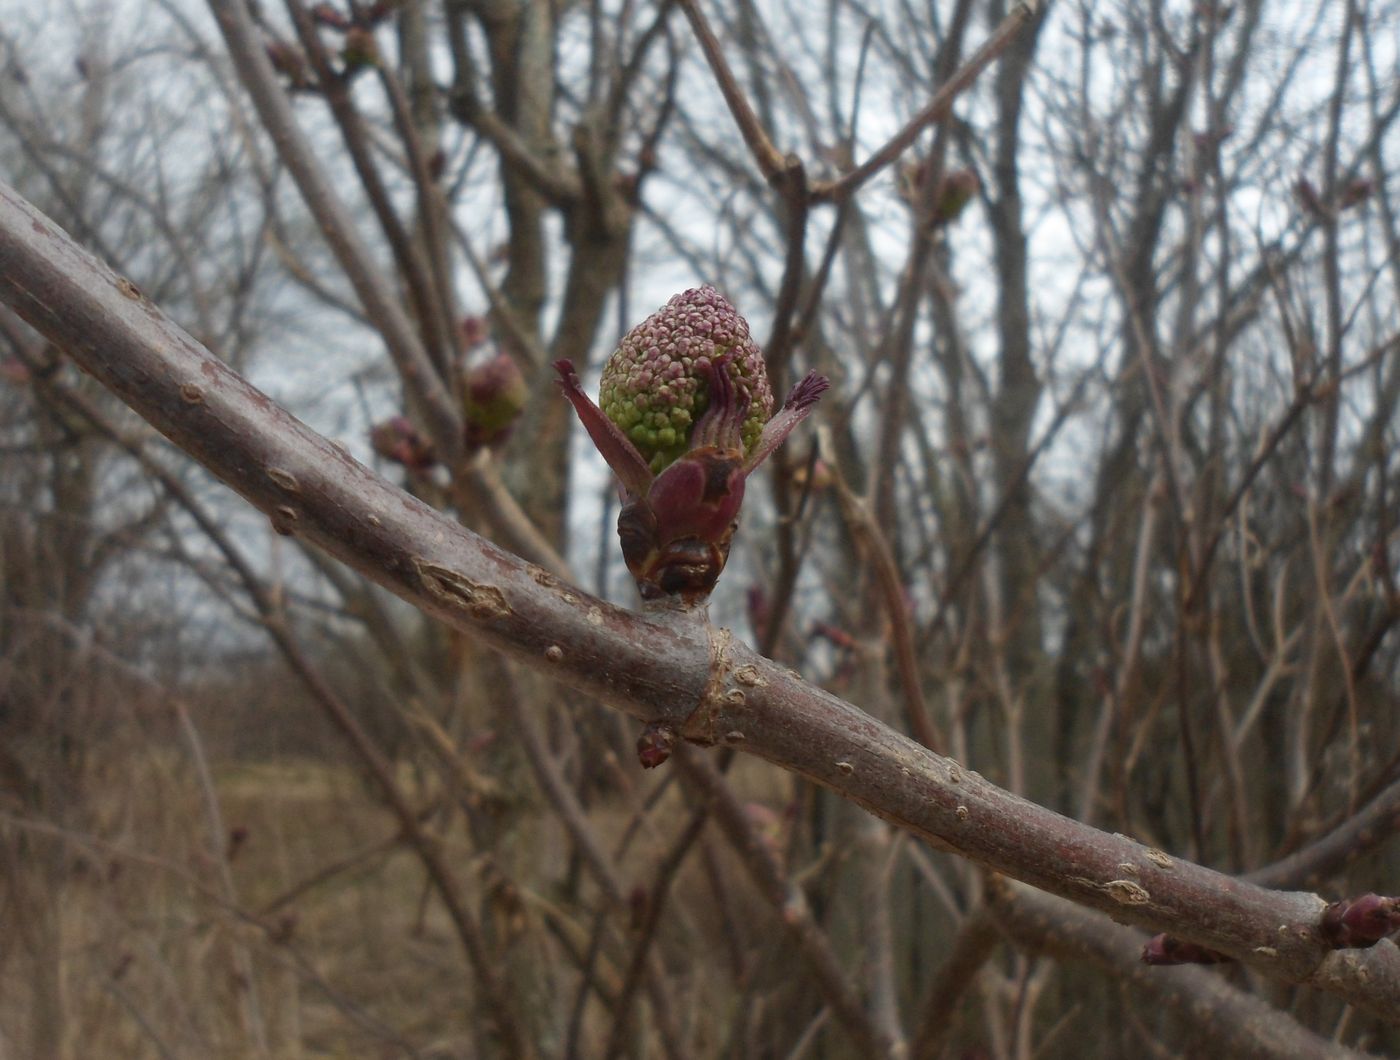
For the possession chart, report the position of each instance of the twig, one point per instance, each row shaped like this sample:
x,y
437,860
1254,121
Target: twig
x,y
273,620
1235,1022
381,305
865,529
641,949
412,263
973,945
937,109
772,164
787,901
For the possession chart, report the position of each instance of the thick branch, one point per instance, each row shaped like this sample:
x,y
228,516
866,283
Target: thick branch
x,y
657,668
1234,1022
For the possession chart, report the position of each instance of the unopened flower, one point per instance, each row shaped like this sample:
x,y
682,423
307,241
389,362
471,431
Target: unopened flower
x,y
493,394
954,192
15,371
818,480
1355,193
1163,949
1306,193
1359,923
361,50
326,14
656,385
946,200
474,330
685,419
398,440
655,744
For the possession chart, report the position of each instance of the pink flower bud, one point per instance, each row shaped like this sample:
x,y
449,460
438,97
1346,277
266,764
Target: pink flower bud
x,y
493,394
685,421
1163,949
398,440
1359,923
655,744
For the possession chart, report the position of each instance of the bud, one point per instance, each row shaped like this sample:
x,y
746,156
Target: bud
x,y
361,50
1163,949
473,330
946,200
955,191
289,61
638,902
15,371
1359,923
835,635
237,836
1308,198
655,744
818,478
655,386
684,421
493,393
398,440
329,16
1355,193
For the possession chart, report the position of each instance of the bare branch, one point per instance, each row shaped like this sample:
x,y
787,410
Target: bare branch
x,y
662,667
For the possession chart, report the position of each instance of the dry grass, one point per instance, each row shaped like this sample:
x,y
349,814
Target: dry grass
x,y
306,930
154,955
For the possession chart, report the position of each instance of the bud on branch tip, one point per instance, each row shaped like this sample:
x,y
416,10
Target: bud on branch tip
x,y
683,418
1360,923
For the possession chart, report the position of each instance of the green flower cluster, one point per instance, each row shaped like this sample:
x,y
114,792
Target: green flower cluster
x,y
655,388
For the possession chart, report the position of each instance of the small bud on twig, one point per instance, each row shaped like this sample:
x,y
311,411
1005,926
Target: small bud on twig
x,y
655,744
361,50
493,395
1163,949
398,440
1360,923
330,16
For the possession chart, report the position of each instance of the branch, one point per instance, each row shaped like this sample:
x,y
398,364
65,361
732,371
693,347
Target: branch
x,y
938,108
337,227
1234,1022
769,160
656,667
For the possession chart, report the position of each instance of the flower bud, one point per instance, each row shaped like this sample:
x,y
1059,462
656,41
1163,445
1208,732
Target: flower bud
x,y
655,744
398,440
15,371
1359,923
685,419
361,50
1355,193
656,385
474,330
493,393
1163,949
954,192
946,200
